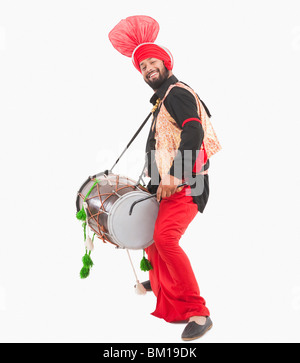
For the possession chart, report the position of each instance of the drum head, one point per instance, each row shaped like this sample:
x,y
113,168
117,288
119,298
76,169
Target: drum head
x,y
133,231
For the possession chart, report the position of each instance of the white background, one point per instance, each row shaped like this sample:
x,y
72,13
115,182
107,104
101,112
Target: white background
x,y
69,103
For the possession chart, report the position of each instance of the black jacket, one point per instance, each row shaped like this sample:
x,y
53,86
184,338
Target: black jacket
x,y
182,106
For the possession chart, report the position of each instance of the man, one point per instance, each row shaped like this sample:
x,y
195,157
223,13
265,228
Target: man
x,y
180,142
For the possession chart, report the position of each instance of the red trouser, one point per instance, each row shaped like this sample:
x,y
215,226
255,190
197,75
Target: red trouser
x,y
172,279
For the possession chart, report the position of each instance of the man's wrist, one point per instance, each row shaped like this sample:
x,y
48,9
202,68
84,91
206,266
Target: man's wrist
x,y
170,179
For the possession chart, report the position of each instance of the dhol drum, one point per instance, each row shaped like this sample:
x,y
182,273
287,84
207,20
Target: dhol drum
x,y
108,199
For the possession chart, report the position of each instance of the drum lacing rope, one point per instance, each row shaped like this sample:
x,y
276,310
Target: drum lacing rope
x,y
81,215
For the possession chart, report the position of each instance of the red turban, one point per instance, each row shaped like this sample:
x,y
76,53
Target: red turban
x,y
134,37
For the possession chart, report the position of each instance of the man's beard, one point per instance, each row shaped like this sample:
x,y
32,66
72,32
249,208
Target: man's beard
x,y
162,77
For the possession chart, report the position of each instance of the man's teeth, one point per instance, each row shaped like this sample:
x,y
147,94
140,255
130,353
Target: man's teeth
x,y
152,74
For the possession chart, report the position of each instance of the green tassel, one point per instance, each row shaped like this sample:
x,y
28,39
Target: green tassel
x,y
81,215
145,264
87,261
87,264
84,272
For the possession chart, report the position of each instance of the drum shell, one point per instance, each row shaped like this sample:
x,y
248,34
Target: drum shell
x,y
102,199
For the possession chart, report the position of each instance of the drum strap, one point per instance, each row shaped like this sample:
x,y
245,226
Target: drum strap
x,y
135,135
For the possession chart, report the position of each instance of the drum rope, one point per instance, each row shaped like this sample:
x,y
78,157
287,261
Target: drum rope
x,y
81,214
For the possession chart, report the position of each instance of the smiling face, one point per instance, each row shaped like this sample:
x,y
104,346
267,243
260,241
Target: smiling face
x,y
154,72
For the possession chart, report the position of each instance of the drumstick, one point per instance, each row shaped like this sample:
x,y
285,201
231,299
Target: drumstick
x,y
148,197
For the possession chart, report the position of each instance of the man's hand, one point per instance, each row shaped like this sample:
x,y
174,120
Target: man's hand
x,y
168,186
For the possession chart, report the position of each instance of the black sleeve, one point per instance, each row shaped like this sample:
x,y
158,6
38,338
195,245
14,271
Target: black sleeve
x,y
182,106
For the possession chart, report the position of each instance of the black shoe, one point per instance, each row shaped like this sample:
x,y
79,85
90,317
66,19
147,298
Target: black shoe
x,y
194,331
146,285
